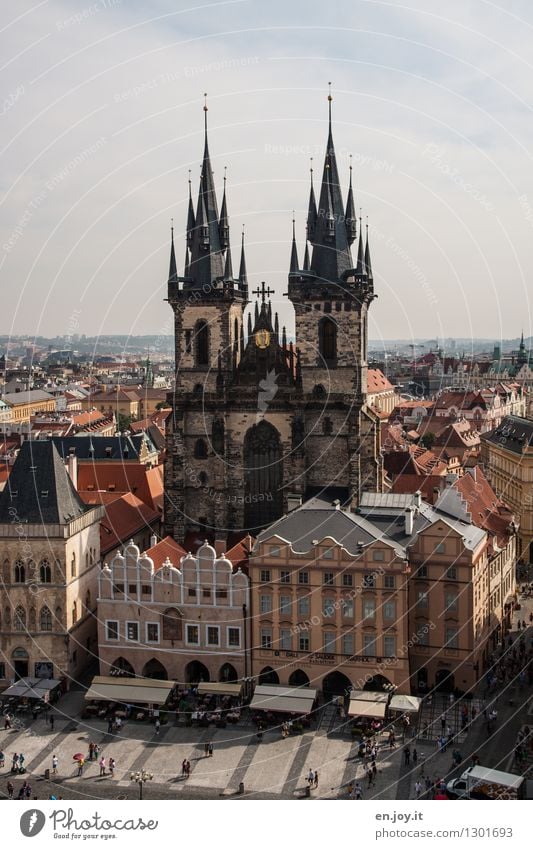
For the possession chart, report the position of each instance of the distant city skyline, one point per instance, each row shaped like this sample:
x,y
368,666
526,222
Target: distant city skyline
x,y
103,122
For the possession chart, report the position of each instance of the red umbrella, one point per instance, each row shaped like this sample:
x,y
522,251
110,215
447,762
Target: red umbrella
x,y
78,757
441,796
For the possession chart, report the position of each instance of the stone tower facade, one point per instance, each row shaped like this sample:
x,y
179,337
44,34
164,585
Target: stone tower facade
x,y
258,424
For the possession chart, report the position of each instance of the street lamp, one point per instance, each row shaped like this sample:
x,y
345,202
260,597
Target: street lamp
x,y
140,777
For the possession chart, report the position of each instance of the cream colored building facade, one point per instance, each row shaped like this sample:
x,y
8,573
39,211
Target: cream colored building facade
x,y
184,622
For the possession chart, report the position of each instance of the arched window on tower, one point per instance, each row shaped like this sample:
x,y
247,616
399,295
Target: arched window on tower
x,y
20,618
20,571
327,339
202,343
200,449
45,572
45,619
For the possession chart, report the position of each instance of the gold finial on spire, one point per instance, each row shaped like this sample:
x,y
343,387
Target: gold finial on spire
x,y
330,97
350,158
205,101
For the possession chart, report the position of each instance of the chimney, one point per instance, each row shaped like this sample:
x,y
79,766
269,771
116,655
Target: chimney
x,y
409,521
418,499
153,540
221,545
293,501
73,468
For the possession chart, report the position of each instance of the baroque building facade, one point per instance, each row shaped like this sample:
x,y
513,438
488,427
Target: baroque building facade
x,y
259,424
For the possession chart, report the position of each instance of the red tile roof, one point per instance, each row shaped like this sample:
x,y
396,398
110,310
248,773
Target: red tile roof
x,y
167,547
377,382
146,484
124,518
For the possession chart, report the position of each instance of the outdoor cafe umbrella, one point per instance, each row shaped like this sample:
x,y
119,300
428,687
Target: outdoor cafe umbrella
x,y
78,757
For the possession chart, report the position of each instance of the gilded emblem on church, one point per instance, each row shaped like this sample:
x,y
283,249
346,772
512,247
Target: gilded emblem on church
x,y
262,338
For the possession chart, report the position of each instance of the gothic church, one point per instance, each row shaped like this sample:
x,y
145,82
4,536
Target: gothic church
x,y
258,424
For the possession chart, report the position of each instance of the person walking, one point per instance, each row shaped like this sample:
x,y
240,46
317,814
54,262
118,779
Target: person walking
x,y
102,765
418,789
10,790
374,771
414,754
184,767
443,722
110,725
315,782
358,792
112,765
407,755
54,764
91,751
188,768
210,750
52,721
206,750
157,725
15,762
2,760
81,764
310,777
7,722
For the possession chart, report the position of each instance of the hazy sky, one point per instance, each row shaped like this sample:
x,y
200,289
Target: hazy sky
x,y
102,117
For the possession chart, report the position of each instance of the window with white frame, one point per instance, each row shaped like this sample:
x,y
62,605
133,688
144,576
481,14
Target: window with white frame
x,y
422,598
234,638
285,639
328,579
328,606
369,645
303,606
347,608
303,577
347,580
285,576
389,610
369,608
347,644
192,633
389,646
132,632
265,603
213,635
329,642
285,604
152,632
303,642
389,582
265,576
451,636
266,638
451,573
111,629
450,600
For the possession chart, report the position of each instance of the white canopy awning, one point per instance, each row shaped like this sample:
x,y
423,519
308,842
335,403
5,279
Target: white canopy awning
x,y
19,688
372,710
219,688
129,690
283,699
369,696
406,704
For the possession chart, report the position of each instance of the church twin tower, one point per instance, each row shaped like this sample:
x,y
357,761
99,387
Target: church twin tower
x,y
258,424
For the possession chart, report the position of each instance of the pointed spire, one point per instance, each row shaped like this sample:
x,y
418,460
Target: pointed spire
x,y
276,326
311,212
294,250
207,259
360,267
331,248
172,271
250,331
256,313
243,279
190,215
284,338
228,267
187,262
350,217
368,262
306,257
223,226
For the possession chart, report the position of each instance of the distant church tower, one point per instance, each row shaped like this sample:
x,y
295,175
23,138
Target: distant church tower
x,y
258,423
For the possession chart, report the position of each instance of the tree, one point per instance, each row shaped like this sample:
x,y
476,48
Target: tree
x,y
123,422
428,440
